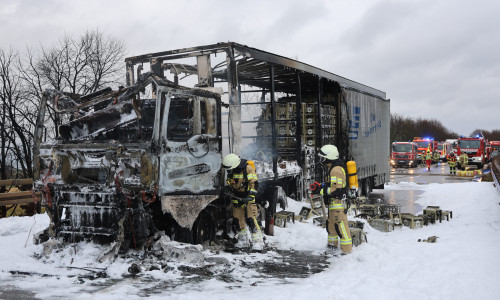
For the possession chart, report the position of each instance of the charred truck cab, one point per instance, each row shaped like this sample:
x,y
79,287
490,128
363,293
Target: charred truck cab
x,y
114,169
147,158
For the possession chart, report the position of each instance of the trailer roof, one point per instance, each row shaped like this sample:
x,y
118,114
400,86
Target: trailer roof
x,y
253,67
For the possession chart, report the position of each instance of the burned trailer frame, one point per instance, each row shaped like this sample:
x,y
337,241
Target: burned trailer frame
x,y
359,126
119,157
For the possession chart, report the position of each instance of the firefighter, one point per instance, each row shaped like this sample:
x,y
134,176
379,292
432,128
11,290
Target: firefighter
x,y
334,194
463,160
422,159
243,184
435,157
428,159
452,162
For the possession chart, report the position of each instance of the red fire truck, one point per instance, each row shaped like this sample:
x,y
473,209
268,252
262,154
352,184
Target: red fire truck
x,y
495,148
404,154
475,148
424,144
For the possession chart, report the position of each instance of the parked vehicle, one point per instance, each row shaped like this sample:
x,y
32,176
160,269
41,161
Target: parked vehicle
x,y
475,148
147,158
444,149
495,148
423,145
454,144
404,154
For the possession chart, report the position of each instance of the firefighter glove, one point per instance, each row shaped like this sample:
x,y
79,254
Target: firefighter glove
x,y
318,188
316,191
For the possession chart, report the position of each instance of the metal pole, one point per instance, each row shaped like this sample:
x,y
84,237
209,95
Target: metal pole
x,y
273,125
298,118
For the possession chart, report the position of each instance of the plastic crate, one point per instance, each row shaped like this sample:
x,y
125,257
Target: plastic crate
x,y
412,221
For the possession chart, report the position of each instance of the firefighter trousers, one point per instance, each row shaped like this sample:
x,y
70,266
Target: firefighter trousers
x,y
453,169
246,215
338,227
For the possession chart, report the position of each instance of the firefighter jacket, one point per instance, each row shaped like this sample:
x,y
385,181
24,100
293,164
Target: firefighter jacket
x,y
452,161
428,156
336,182
243,182
436,156
463,158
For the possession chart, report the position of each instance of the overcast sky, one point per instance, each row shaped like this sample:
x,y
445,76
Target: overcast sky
x,y
433,58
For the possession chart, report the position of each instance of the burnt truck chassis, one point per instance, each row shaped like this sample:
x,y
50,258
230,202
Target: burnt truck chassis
x,y
116,172
99,178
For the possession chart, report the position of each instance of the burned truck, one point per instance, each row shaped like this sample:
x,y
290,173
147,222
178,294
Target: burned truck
x,y
146,158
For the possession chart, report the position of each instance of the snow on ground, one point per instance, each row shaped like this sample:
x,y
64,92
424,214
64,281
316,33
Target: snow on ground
x,y
463,264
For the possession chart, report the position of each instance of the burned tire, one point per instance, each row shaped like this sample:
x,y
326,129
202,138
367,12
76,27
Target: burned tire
x,y
204,227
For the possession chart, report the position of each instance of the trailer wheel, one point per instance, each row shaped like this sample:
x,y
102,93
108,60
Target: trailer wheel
x,y
204,227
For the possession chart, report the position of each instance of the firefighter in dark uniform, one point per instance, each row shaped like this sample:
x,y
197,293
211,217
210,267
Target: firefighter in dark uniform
x,y
334,192
243,183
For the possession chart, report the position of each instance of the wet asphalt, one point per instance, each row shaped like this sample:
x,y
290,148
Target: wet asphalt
x,y
406,199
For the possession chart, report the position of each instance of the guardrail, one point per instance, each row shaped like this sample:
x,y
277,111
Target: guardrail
x,y
495,171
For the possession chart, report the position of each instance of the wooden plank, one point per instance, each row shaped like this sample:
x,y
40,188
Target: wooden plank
x,y
18,198
23,181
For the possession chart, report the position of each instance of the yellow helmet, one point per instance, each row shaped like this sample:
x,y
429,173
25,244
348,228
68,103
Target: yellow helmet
x,y
231,161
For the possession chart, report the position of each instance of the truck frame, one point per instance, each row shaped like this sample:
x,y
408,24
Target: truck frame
x,y
147,158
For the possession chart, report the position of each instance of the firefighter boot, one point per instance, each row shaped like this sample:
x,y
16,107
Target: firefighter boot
x,y
243,240
257,241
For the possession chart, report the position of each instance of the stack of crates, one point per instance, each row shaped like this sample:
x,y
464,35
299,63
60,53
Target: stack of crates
x,y
328,117
309,126
286,126
309,173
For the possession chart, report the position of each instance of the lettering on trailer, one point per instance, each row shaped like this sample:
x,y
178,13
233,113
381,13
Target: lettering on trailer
x,y
354,123
354,127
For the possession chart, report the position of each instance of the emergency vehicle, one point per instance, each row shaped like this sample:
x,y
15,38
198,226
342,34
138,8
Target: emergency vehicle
x,y
444,149
495,148
424,144
404,154
454,143
475,148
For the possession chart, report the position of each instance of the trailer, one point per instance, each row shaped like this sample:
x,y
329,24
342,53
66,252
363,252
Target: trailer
x,y
147,158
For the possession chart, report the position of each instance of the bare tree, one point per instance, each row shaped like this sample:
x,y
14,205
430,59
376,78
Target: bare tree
x,y
18,125
405,129
80,65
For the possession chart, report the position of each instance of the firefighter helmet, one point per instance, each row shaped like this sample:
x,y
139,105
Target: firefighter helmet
x,y
231,161
329,152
